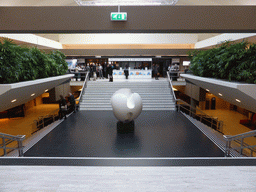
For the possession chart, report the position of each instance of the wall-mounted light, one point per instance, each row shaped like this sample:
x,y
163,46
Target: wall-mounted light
x,y
238,100
14,100
220,94
46,90
32,94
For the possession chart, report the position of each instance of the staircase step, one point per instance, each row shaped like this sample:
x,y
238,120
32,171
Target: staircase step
x,y
155,95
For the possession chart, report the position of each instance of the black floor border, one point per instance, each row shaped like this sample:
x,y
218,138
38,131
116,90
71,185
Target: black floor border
x,y
69,161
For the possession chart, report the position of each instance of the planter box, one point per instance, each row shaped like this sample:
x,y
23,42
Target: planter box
x,y
232,92
23,91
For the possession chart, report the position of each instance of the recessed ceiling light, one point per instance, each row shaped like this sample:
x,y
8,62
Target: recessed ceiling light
x,y
220,94
46,90
238,100
14,100
207,90
32,94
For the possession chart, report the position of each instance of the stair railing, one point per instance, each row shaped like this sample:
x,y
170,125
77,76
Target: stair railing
x,y
239,139
194,112
171,87
200,115
7,140
43,121
83,89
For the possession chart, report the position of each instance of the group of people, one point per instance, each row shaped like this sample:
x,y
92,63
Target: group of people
x,y
66,105
95,70
100,71
173,71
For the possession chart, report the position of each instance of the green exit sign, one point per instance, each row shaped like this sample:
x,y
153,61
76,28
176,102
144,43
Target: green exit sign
x,y
118,16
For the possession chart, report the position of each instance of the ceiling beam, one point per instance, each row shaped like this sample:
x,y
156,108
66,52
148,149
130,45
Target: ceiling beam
x,y
124,52
140,19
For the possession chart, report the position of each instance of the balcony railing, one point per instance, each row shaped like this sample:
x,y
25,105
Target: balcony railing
x,y
8,143
237,143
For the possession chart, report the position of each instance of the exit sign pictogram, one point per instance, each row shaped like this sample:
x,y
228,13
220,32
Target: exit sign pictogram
x,y
118,16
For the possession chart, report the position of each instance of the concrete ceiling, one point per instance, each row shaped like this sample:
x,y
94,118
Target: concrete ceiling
x,y
60,38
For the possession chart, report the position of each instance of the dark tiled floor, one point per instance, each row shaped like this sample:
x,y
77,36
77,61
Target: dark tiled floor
x,y
156,134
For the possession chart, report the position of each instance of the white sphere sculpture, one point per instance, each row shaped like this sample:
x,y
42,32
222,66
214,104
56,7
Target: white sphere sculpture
x,y
126,105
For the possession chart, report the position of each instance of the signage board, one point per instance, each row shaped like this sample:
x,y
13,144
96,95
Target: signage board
x,y
129,59
118,16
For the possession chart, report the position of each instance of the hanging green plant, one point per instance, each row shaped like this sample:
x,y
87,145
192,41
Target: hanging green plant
x,y
22,64
231,61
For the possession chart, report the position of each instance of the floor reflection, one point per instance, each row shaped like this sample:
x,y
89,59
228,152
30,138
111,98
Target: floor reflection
x,y
126,142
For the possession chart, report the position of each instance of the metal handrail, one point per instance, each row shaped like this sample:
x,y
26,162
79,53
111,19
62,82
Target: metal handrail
x,y
242,135
171,87
240,140
78,75
203,113
40,121
7,139
219,124
83,88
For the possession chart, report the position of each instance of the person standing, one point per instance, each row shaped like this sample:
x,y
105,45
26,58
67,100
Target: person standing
x,y
94,72
111,73
100,71
156,72
62,107
126,72
105,70
91,71
109,68
88,70
153,70
72,102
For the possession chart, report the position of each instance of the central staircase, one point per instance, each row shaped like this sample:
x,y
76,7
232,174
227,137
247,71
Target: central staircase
x,y
156,95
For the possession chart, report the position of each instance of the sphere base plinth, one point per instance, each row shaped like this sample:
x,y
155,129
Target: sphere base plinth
x,y
125,127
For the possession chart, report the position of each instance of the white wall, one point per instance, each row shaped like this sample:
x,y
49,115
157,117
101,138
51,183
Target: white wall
x,y
128,38
62,89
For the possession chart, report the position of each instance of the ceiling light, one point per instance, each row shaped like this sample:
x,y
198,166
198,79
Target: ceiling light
x,y
220,94
46,90
32,94
238,100
14,100
124,2
207,90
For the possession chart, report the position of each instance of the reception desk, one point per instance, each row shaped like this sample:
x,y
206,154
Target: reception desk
x,y
133,74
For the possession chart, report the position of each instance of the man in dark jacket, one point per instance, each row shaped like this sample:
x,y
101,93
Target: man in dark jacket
x,y
62,107
72,102
126,72
156,72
